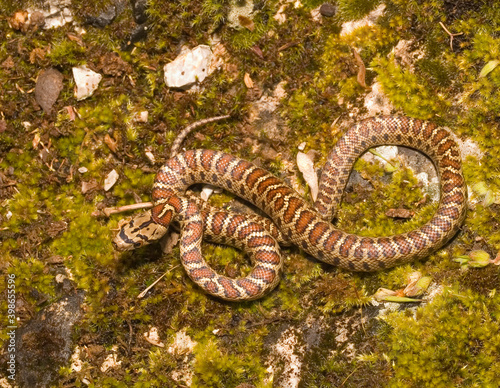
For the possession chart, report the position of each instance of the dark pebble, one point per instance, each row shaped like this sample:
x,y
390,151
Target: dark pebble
x,y
327,10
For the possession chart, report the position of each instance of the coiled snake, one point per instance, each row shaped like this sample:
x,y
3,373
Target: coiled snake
x,y
293,219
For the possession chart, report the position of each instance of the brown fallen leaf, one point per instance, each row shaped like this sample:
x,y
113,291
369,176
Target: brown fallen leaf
x,y
361,68
246,22
48,86
248,81
288,45
111,143
399,213
257,51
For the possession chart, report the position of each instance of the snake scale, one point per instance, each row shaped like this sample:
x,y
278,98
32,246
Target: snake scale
x,y
294,220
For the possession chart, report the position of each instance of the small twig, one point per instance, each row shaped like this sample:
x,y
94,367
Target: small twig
x,y
450,34
112,210
143,293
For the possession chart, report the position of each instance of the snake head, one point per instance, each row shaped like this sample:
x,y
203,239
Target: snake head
x,y
139,231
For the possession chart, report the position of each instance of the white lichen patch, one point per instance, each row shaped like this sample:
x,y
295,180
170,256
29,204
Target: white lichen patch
x,y
305,165
153,337
86,81
239,9
286,352
111,360
368,20
182,344
56,13
189,68
110,180
376,102
76,362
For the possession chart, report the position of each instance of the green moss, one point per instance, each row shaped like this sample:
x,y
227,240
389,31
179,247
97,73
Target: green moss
x,y
407,91
453,341
214,367
354,10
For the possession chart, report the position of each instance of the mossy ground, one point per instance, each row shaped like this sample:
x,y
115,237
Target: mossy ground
x,y
45,218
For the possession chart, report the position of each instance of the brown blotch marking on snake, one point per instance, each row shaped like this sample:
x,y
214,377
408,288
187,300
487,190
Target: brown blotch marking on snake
x,y
267,257
249,286
211,287
348,242
445,146
432,234
246,230
229,184
448,162
387,248
441,223
418,241
232,226
189,157
416,126
451,212
175,165
218,222
192,232
192,257
258,241
165,218
266,183
175,202
206,158
238,170
317,232
277,193
304,221
457,198
159,193
332,240
278,204
439,136
291,209
366,248
428,130
456,178
223,163
191,210
254,176
202,273
402,244
454,152
263,274
228,288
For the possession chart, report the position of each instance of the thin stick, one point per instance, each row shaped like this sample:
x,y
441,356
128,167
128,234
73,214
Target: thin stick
x,y
143,293
112,210
450,34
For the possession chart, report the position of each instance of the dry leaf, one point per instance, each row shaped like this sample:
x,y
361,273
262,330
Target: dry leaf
x,y
246,22
399,213
111,143
248,81
361,70
256,49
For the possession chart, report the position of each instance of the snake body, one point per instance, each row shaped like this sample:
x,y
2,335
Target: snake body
x,y
306,226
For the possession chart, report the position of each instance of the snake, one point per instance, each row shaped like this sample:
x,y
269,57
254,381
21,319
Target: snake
x,y
290,218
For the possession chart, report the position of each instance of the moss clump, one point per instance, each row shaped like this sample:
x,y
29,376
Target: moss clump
x,y
407,91
452,341
214,367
